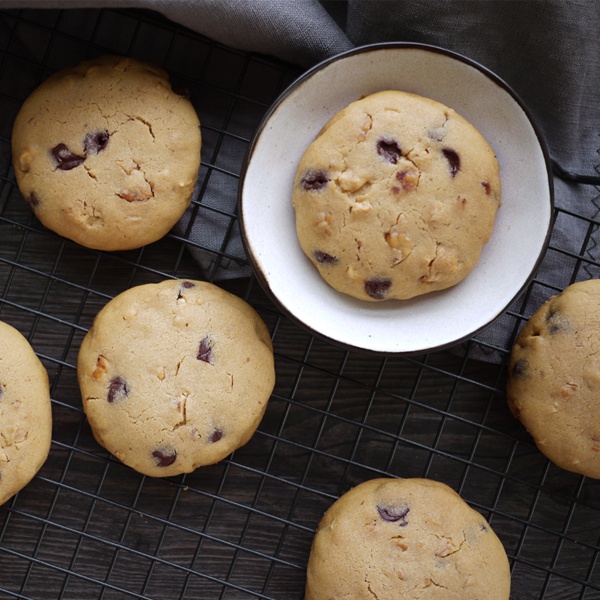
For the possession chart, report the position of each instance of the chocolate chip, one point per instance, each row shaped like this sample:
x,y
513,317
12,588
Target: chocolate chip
x,y
314,180
408,178
205,351
181,90
555,321
487,187
33,200
453,160
520,368
65,159
117,389
554,327
394,514
163,457
185,285
324,258
216,435
95,142
389,150
378,287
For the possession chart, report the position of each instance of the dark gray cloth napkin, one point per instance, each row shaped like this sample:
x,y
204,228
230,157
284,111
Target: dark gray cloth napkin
x,y
548,51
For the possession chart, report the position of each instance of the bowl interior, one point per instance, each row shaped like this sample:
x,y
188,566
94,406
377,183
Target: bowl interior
x,y
434,320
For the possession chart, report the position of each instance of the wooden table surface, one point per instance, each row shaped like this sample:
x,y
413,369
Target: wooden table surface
x,y
88,527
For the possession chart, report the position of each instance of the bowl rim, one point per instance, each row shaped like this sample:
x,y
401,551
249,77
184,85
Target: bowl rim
x,y
375,47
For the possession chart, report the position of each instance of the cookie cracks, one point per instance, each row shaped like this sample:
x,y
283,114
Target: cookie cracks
x,y
348,181
90,172
429,582
181,407
398,239
13,436
442,266
437,134
139,187
370,589
365,127
446,546
90,215
144,122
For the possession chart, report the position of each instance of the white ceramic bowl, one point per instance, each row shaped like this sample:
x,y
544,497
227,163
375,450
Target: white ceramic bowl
x,y
431,321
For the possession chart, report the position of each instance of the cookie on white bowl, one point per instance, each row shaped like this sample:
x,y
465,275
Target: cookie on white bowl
x,y
430,321
396,197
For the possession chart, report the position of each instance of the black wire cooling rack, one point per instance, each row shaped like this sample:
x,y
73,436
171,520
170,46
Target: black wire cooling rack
x,y
87,527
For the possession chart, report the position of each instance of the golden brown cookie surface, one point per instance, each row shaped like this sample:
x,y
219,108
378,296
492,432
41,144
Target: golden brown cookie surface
x,y
406,538
106,154
554,373
396,197
175,375
25,412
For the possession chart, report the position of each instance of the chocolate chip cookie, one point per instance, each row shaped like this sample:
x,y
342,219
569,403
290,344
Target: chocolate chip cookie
x,y
554,377
396,197
106,153
405,538
175,375
25,412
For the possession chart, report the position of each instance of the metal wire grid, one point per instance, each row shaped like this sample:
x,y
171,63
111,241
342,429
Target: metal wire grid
x,y
89,527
